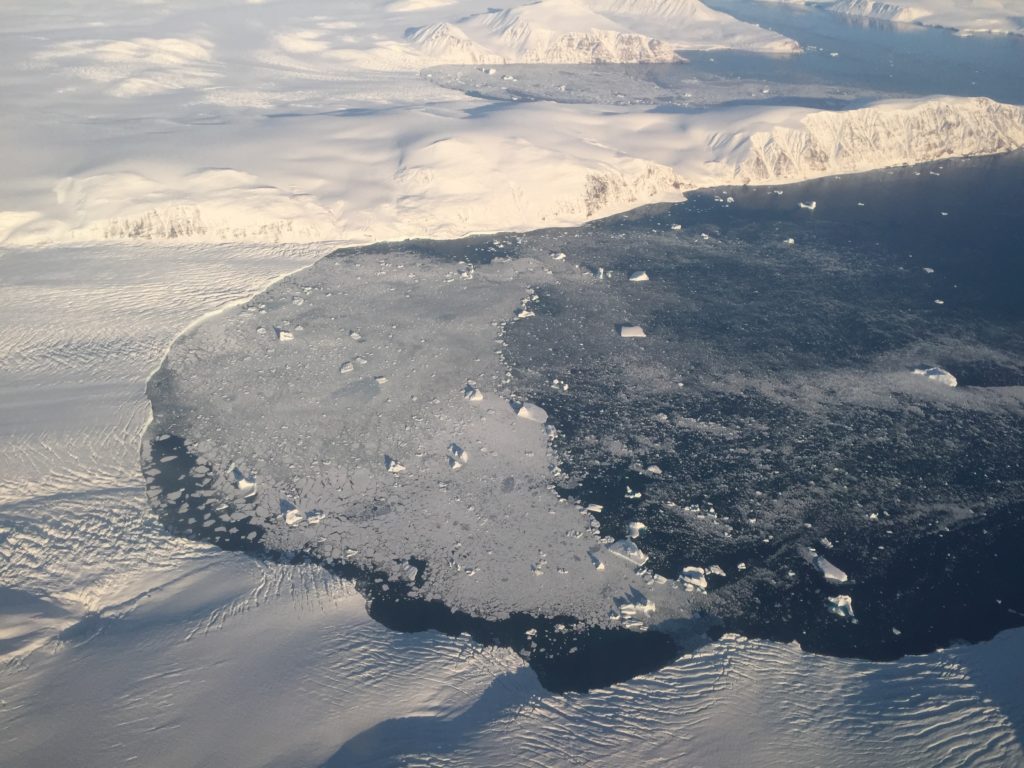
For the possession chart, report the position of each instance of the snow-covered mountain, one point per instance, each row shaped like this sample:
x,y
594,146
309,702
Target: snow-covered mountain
x,y
880,136
966,16
575,31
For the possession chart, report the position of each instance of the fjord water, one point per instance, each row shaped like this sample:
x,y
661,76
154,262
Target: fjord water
x,y
776,395
845,62
872,54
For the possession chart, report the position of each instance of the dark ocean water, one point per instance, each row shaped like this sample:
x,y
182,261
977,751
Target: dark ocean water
x,y
775,392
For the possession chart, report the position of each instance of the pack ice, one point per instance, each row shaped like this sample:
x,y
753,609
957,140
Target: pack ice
x,y
354,472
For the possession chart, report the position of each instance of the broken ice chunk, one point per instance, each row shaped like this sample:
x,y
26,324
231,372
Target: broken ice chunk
x,y
940,375
631,332
472,394
245,483
283,335
841,605
292,514
639,277
809,206
628,549
635,528
458,453
392,465
693,579
832,573
347,367
531,412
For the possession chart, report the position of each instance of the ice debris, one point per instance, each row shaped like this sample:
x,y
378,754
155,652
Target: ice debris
x,y
639,277
531,412
940,375
626,548
694,579
841,605
631,332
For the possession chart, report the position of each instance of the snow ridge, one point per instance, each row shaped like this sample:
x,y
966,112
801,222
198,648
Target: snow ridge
x,y
878,137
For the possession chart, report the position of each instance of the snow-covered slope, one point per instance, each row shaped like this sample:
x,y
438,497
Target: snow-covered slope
x,y
575,31
456,170
966,16
875,137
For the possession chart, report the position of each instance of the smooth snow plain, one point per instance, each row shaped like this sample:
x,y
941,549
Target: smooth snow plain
x,y
187,125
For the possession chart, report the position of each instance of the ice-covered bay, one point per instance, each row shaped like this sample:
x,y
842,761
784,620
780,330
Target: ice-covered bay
x,y
365,449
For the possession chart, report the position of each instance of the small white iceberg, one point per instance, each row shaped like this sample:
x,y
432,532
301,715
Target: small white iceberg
x,y
392,465
627,549
832,573
841,605
639,277
531,412
245,483
694,579
471,393
632,332
283,335
635,529
940,375
457,456
809,206
292,514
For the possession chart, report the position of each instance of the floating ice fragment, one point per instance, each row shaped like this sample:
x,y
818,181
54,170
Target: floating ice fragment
x,y
810,206
347,367
631,332
355,335
523,312
841,605
940,375
558,256
716,570
392,465
381,379
832,573
928,270
595,508
653,469
598,563
531,412
939,301
283,335
458,453
693,579
292,514
637,604
245,483
626,548
676,227
472,394
639,277
635,528
790,241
